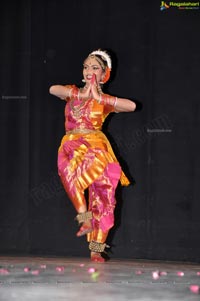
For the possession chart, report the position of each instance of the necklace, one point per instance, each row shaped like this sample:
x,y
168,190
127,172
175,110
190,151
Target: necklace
x,y
77,109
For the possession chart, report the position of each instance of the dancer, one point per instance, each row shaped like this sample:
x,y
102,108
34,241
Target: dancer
x,y
85,157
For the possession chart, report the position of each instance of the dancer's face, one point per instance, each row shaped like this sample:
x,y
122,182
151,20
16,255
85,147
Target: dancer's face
x,y
91,66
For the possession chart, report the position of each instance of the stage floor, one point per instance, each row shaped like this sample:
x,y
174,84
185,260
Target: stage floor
x,y
58,278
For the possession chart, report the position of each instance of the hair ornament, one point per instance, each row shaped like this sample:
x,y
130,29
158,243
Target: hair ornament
x,y
104,56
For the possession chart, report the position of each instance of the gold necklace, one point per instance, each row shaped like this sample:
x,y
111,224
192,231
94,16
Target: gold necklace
x,y
77,110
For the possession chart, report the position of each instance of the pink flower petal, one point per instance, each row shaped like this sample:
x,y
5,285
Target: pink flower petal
x,y
91,270
27,269
35,272
138,272
180,273
82,265
194,289
43,266
155,275
198,273
4,272
60,269
163,273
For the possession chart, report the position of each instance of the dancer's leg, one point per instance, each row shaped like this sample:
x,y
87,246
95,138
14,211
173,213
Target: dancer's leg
x,y
102,204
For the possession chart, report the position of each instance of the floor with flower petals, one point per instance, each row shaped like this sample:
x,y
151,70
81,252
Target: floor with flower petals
x,y
58,278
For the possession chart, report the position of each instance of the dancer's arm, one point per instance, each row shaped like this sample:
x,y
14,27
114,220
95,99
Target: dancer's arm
x,y
61,91
120,104
68,91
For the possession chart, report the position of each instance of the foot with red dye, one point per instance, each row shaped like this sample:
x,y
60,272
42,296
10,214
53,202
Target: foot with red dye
x,y
84,229
96,257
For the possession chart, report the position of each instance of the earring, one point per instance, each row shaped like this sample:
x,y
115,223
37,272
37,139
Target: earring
x,y
83,80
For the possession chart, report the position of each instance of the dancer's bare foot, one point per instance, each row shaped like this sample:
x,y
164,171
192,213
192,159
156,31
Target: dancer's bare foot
x,y
96,257
85,228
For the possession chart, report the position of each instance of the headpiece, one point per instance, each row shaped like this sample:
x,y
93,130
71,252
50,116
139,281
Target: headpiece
x,y
105,58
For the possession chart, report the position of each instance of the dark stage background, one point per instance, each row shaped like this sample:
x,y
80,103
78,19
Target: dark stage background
x,y
157,61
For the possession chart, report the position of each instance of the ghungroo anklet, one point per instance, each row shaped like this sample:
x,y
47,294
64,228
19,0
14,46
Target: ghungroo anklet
x,y
97,246
83,217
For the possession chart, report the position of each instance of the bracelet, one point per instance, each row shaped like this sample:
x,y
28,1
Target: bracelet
x,y
100,99
115,102
75,94
69,93
103,100
112,101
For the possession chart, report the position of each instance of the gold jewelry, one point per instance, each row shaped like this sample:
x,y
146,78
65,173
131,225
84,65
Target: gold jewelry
x,y
99,61
69,93
97,246
104,56
104,100
83,217
100,99
99,89
76,109
105,62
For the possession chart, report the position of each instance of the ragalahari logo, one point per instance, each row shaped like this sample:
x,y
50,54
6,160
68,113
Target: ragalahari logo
x,y
179,5
164,5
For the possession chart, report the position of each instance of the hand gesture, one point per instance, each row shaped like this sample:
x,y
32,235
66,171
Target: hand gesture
x,y
85,92
94,91
90,90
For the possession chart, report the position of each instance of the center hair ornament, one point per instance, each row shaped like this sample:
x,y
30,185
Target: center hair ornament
x,y
105,57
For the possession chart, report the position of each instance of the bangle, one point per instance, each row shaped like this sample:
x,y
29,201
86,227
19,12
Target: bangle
x,y
69,93
100,100
115,102
111,101
75,93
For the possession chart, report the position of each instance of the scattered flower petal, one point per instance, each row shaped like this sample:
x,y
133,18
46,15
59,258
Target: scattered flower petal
x,y
180,274
43,266
91,270
82,265
198,273
4,272
155,275
194,289
138,272
60,269
27,269
163,273
35,272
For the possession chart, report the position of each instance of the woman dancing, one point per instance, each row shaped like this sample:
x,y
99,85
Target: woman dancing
x,y
85,156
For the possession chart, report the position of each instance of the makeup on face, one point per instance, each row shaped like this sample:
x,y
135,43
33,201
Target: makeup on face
x,y
90,67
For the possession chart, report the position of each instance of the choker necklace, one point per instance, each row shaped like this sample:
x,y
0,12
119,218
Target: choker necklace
x,y
77,110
